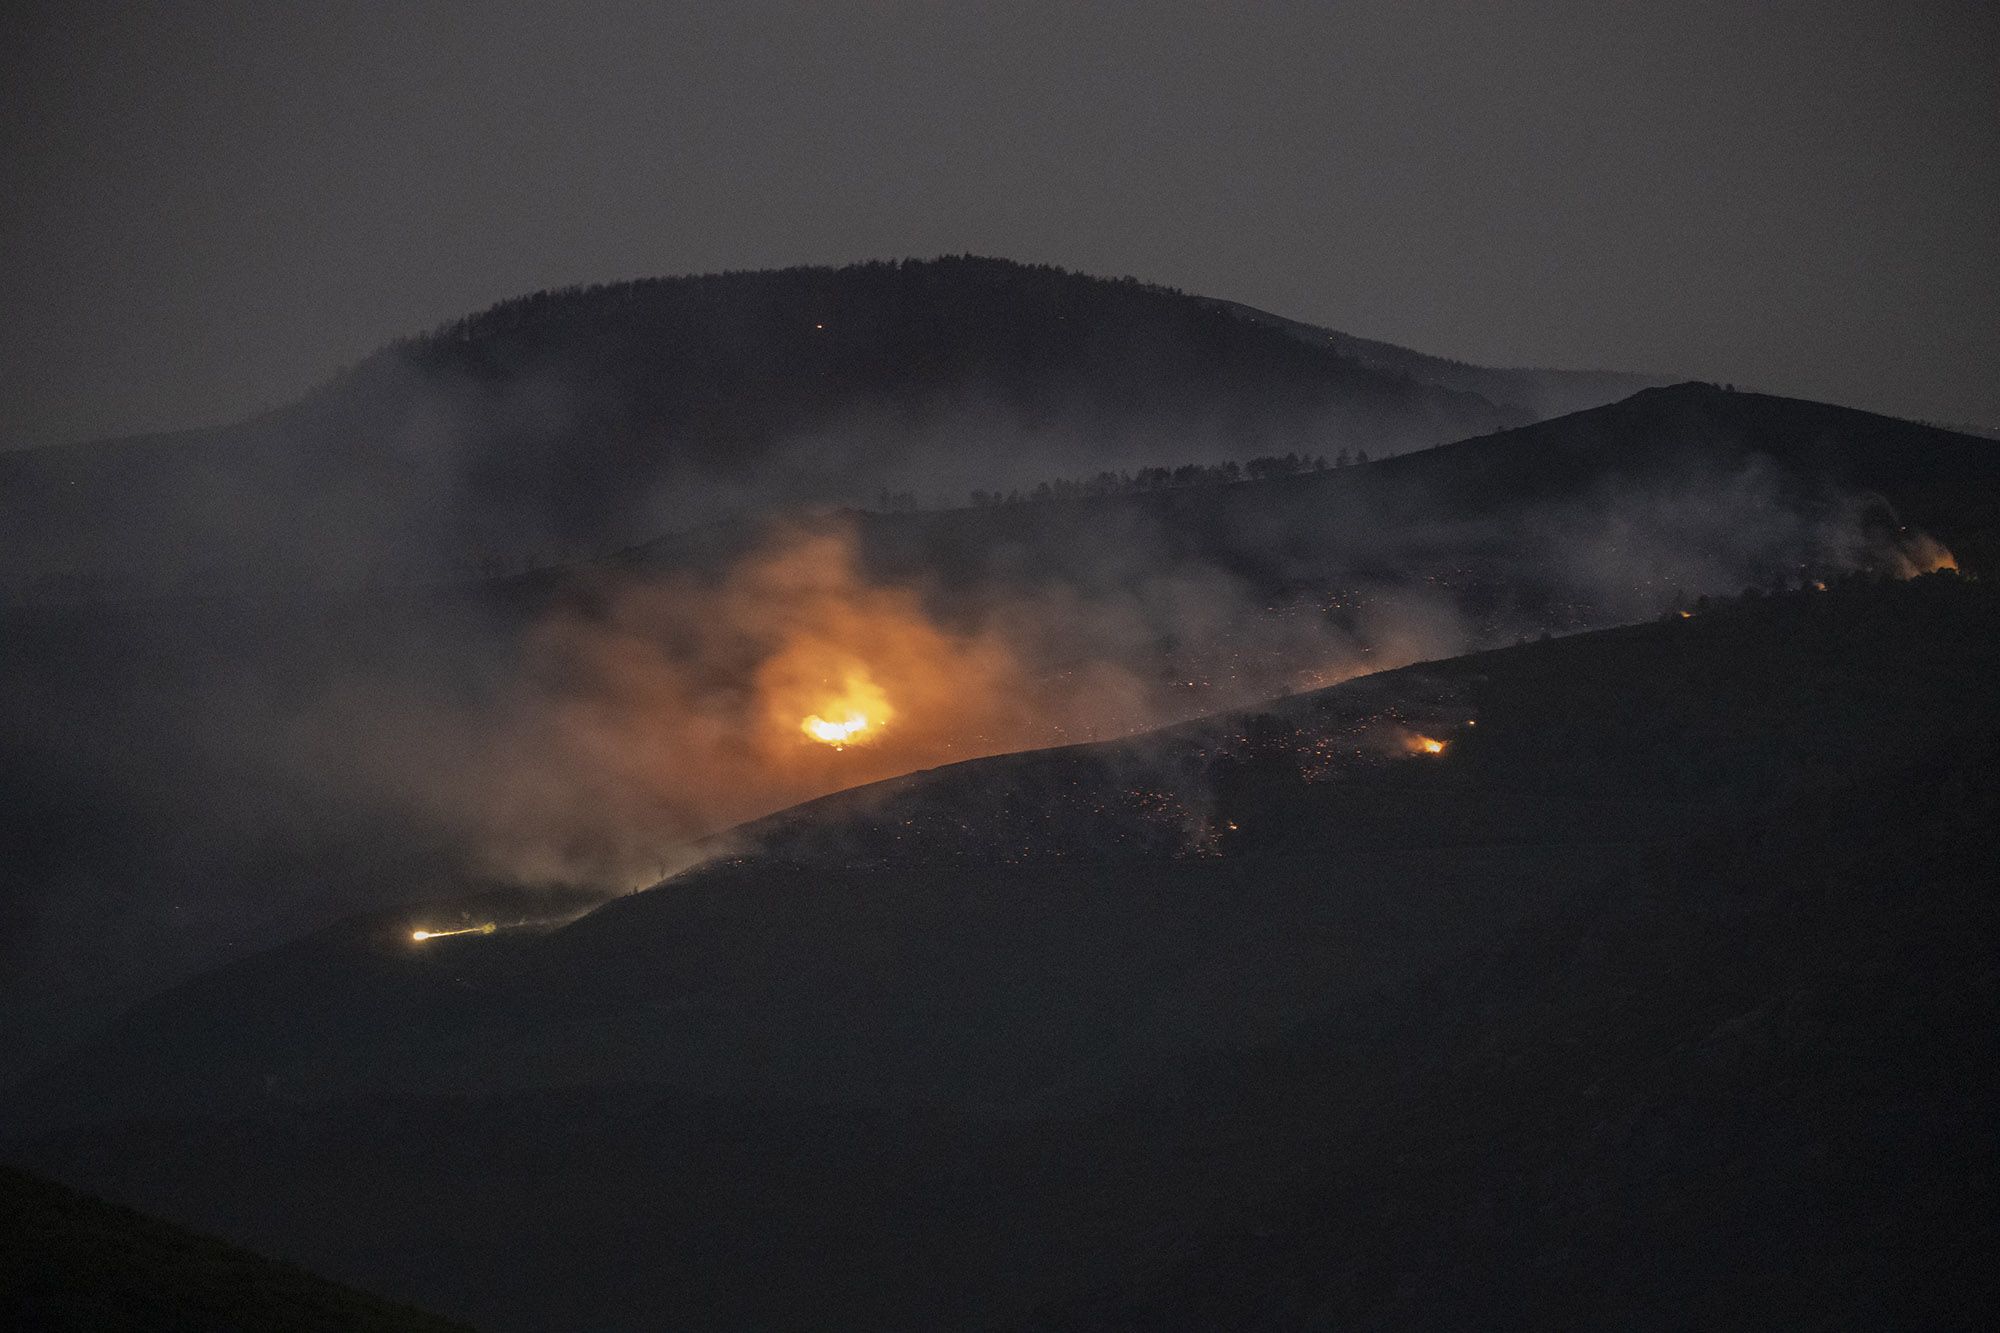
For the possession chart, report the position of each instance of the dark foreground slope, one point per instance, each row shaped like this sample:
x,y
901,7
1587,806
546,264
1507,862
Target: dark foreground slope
x,y
73,1264
1660,998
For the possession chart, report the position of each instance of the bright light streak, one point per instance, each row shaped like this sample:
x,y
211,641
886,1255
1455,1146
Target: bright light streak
x,y
421,935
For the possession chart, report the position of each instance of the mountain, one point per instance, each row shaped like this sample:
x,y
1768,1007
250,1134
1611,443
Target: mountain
x,y
1670,956
1539,393
1688,485
71,1262
195,778
588,418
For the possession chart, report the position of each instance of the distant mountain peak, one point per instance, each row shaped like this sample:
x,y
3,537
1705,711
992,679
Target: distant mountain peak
x,y
593,417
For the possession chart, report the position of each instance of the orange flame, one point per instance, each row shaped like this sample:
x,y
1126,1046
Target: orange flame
x,y
834,733
1423,744
675,703
855,715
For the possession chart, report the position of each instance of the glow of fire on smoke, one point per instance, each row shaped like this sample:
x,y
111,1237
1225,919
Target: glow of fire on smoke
x,y
1423,745
1922,553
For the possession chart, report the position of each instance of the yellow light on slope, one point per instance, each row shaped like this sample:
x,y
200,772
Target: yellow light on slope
x,y
421,935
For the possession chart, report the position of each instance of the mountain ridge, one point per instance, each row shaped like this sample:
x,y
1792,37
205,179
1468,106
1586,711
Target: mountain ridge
x,y
119,717
592,416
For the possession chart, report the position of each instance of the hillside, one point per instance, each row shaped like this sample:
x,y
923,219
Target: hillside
x,y
1753,484
168,762
588,418
73,1264
1540,393
1687,471
1675,956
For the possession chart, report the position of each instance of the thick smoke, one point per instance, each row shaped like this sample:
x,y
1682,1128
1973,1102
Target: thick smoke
x,y
651,709
199,777
1633,550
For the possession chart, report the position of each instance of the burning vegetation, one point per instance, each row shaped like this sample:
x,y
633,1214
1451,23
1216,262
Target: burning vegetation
x,y
853,716
419,936
665,705
672,705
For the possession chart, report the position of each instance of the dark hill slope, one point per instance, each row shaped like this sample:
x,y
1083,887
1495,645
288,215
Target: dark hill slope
x,y
1543,393
1599,516
1659,431
591,417
1640,733
136,728
1743,1088
74,1264
1676,960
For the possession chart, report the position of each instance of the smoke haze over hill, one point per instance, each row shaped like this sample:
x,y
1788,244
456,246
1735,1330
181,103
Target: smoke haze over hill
x,y
628,757
193,776
581,421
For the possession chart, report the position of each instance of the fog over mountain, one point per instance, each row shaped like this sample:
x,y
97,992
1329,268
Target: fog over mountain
x,y
691,724
583,420
1054,666
196,775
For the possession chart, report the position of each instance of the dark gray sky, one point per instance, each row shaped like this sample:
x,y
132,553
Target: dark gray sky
x,y
207,207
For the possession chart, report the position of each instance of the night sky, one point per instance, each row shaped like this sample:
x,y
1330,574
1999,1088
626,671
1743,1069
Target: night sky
x,y
206,208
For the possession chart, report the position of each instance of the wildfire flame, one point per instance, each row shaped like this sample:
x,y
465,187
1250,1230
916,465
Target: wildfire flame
x,y
1424,745
854,715
421,935
834,733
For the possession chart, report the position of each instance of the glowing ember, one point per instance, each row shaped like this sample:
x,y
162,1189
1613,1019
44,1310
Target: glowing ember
x,y
421,935
855,715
